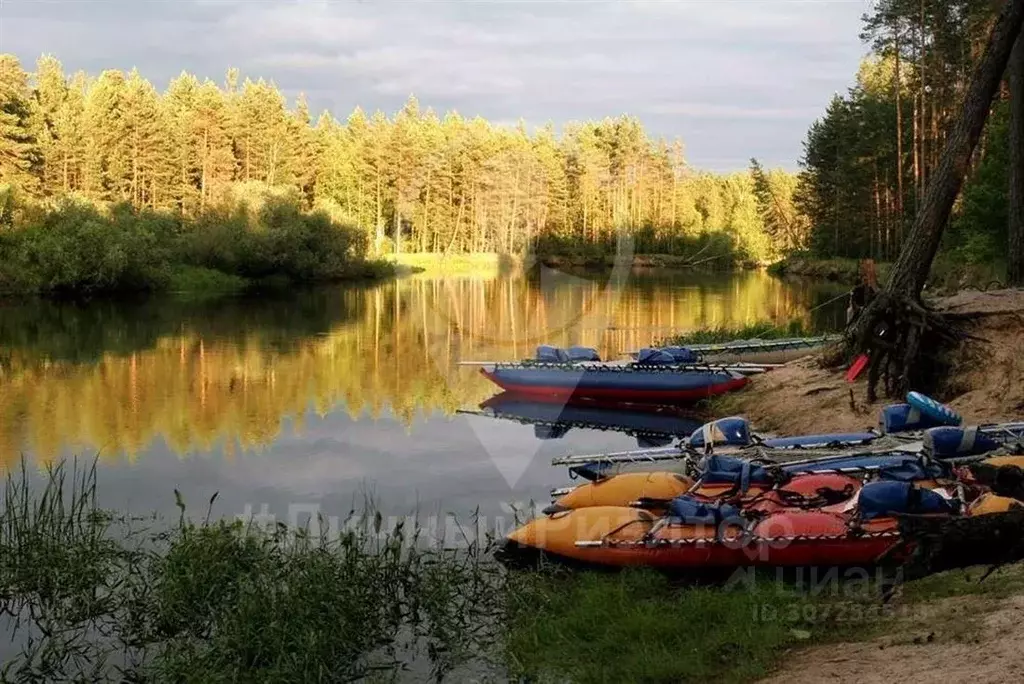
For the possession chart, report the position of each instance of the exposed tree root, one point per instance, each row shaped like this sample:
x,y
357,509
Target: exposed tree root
x,y
907,344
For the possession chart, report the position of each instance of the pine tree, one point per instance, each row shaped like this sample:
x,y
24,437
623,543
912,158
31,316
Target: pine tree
x,y
106,161
212,142
51,96
304,152
261,134
21,163
180,107
406,175
68,152
146,127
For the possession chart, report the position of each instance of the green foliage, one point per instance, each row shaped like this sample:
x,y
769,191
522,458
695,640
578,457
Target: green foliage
x,y
111,598
713,249
766,330
978,234
20,157
637,627
200,280
858,192
75,249
279,240
783,222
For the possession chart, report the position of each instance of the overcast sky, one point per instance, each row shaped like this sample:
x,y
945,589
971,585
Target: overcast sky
x,y
732,78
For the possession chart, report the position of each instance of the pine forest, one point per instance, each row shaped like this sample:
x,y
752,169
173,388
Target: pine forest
x,y
232,178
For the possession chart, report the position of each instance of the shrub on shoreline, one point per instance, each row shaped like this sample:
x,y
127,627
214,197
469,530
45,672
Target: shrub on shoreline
x,y
74,249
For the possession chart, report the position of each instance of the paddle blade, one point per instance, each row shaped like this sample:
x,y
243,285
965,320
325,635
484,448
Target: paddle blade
x,y
857,368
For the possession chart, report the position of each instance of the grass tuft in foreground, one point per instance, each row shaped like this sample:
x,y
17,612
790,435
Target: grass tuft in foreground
x,y
86,592
636,626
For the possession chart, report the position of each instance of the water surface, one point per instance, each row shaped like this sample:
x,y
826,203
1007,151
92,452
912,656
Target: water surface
x,y
313,399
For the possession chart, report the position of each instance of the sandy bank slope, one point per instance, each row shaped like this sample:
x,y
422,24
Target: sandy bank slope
x,y
987,384
937,650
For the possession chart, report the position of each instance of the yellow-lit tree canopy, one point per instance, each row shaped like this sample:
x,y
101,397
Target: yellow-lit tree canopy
x,y
416,181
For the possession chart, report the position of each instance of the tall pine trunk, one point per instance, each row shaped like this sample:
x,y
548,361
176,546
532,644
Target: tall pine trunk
x,y
899,138
910,272
1015,270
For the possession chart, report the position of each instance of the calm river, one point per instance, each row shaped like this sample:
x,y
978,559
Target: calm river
x,y
309,402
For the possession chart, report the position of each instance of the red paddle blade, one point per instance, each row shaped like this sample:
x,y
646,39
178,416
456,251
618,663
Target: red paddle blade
x,y
858,366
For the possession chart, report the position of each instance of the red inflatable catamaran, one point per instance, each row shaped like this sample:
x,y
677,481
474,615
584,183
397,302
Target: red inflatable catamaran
x,y
626,383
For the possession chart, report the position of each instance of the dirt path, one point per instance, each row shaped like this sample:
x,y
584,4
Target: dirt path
x,y
947,648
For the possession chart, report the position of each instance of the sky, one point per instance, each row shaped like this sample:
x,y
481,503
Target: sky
x,y
733,79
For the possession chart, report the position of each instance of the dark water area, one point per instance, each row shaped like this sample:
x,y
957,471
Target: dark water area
x,y
309,402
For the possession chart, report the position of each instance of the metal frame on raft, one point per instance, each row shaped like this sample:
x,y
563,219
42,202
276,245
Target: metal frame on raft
x,y
758,345
630,367
996,431
914,447
851,470
740,540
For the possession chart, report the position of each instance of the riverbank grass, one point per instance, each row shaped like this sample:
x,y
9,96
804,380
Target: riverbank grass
x,y
196,280
637,626
114,598
763,330
487,264
641,626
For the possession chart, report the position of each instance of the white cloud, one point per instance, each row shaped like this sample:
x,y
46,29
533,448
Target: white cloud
x,y
699,69
267,24
703,110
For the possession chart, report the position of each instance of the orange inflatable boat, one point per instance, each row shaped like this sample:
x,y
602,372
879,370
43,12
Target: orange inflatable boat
x,y
782,527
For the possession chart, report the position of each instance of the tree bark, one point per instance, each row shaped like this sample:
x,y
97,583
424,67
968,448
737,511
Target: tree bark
x,y
905,340
1015,270
899,137
910,272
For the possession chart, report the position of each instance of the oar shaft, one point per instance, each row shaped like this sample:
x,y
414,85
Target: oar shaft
x,y
662,453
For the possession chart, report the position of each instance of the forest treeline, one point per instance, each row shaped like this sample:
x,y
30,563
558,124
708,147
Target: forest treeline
x,y
411,182
201,154
868,160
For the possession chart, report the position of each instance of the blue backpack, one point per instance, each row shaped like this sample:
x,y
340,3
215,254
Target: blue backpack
x,y
682,354
655,357
950,442
548,354
912,469
732,431
684,509
882,499
735,471
582,354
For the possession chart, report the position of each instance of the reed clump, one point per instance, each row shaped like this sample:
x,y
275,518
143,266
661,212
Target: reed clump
x,y
90,593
